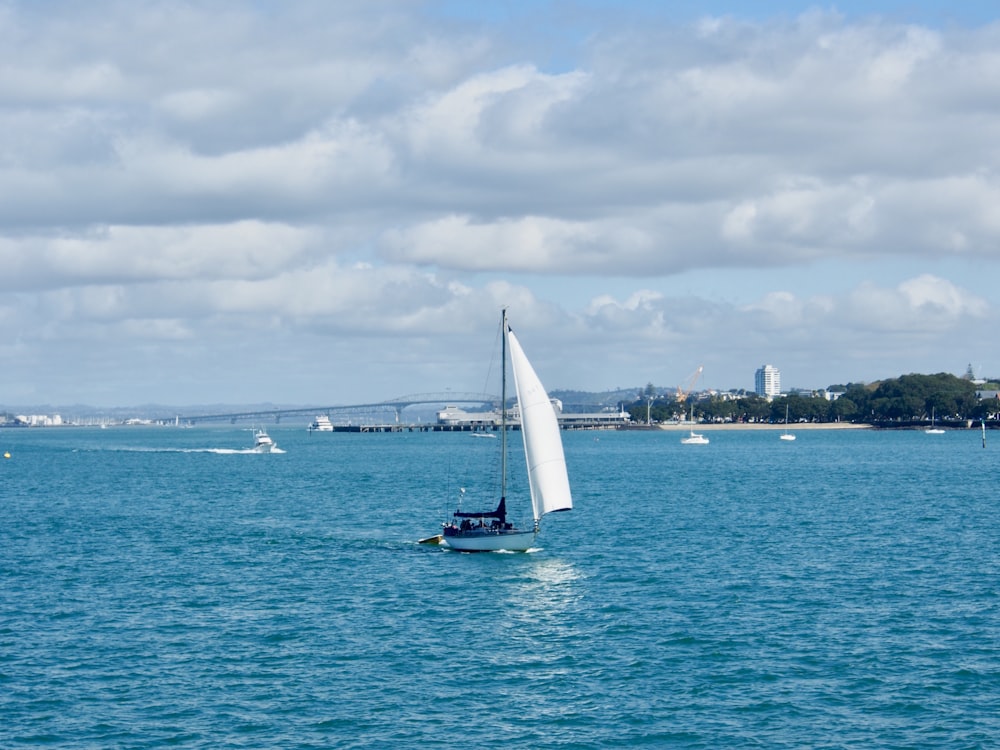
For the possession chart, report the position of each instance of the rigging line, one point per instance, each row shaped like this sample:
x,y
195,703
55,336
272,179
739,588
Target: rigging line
x,y
494,349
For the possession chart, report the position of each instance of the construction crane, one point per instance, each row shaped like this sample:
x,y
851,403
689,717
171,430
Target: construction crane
x,y
686,387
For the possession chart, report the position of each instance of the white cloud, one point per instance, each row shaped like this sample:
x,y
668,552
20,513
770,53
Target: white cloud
x,y
372,183
449,123
924,304
243,250
198,104
530,243
894,67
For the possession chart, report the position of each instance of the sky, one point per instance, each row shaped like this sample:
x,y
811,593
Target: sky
x,y
325,203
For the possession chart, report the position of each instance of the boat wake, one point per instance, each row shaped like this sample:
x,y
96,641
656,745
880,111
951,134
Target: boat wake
x,y
219,451
233,451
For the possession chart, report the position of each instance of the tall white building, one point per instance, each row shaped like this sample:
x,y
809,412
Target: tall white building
x,y
767,381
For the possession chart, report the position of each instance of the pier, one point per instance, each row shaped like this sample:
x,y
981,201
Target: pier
x,y
391,415
577,423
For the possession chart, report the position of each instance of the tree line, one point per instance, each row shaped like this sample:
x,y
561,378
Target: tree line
x,y
906,399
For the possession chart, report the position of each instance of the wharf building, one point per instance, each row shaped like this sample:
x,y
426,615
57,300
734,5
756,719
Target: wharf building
x,y
454,418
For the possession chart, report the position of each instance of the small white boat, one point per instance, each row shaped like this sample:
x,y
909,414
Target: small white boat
x,y
695,438
262,442
786,435
933,430
321,424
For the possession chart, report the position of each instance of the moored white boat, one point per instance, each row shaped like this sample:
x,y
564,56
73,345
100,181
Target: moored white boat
x,y
786,435
933,429
321,424
695,438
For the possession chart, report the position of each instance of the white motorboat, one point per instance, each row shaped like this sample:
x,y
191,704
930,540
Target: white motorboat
x,y
262,442
321,424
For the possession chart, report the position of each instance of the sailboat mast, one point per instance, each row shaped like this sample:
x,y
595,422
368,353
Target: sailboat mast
x,y
503,403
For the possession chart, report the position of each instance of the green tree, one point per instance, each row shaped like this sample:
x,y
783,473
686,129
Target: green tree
x,y
842,410
917,397
907,398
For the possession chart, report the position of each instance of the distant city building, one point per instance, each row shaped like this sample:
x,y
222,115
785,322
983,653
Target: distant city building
x,y
767,381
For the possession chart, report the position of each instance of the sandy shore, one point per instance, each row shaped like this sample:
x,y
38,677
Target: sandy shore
x,y
802,426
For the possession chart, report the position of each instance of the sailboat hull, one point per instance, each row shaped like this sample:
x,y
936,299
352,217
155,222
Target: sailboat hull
x,y
490,541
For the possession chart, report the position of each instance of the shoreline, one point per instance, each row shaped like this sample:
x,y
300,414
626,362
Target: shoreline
x,y
794,427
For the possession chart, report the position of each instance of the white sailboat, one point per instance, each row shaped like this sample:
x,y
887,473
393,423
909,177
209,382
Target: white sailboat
x,y
548,481
695,438
786,435
932,430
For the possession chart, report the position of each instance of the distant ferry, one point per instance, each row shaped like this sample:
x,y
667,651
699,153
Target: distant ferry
x,y
321,424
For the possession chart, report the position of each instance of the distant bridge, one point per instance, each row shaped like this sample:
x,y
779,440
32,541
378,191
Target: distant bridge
x,y
343,413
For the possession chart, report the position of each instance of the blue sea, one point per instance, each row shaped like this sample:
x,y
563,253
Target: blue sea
x,y
163,587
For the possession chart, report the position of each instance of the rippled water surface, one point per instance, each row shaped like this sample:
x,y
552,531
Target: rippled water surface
x,y
162,587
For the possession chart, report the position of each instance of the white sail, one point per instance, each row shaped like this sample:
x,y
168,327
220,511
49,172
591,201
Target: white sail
x,y
543,450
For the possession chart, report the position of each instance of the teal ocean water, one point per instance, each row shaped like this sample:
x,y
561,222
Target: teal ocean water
x,y
160,587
